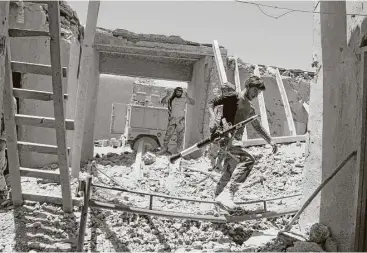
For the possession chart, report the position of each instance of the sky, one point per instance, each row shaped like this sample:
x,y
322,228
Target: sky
x,y
241,28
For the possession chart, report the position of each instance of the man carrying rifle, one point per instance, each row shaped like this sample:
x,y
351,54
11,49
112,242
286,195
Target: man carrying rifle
x,y
237,162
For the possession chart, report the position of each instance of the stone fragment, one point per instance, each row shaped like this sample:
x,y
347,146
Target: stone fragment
x,y
149,158
330,245
305,247
319,233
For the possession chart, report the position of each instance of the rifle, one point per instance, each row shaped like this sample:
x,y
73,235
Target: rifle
x,y
210,139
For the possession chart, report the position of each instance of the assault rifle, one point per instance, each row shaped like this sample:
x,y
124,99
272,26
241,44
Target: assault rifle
x,y
209,140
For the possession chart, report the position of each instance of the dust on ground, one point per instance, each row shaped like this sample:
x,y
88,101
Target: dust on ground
x,y
45,227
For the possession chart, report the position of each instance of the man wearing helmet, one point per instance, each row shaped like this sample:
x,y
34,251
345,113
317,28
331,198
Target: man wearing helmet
x,y
176,119
238,163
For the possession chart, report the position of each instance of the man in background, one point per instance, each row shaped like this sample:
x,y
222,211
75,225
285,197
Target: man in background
x,y
176,103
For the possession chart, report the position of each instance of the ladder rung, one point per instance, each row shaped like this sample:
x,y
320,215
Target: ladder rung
x,y
35,94
36,173
38,148
34,68
27,33
49,199
22,119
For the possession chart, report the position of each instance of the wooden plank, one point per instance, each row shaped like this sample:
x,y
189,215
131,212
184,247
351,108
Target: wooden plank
x,y
34,68
278,140
143,211
84,214
287,108
8,106
238,89
27,33
30,120
52,199
270,214
219,62
85,73
34,94
37,147
36,173
58,98
262,107
138,161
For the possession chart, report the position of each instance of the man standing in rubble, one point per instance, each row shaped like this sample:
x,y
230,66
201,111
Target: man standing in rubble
x,y
237,163
176,118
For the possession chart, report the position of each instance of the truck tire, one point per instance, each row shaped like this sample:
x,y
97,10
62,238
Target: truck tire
x,y
150,143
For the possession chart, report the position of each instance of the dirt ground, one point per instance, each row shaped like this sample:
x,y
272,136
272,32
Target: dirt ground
x,y
44,227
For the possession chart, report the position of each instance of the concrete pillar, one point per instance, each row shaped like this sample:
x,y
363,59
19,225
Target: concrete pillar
x,y
90,112
197,89
313,161
340,124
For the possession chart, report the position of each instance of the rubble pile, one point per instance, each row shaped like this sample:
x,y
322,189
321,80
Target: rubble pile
x,y
273,176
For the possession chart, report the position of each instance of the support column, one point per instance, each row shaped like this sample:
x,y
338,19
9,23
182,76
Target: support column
x,y
313,161
91,105
340,123
197,89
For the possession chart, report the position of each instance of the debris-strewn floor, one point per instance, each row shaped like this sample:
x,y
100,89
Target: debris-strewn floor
x,y
44,227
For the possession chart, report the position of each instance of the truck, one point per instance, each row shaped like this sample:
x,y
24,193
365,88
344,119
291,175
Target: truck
x,y
144,122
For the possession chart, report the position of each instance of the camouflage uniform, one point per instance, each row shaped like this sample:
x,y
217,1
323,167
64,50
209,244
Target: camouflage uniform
x,y
234,171
175,124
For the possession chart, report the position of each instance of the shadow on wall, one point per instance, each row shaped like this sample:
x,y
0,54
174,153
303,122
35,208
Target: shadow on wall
x,y
112,89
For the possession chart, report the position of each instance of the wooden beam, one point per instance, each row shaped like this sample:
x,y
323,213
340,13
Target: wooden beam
x,y
50,175
143,211
34,68
138,161
278,140
58,98
34,94
219,62
85,73
21,119
7,101
84,215
49,199
238,89
262,107
37,147
27,33
287,108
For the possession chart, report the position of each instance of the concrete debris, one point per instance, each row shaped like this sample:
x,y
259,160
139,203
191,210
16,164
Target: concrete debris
x,y
149,158
305,247
319,233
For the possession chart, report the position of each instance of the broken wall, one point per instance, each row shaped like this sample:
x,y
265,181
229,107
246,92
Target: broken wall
x,y
37,50
297,87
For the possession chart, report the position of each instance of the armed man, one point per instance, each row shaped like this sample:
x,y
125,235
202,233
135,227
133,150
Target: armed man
x,y
237,163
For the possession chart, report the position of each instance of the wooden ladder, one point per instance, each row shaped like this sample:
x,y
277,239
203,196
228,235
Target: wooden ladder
x,y
59,123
